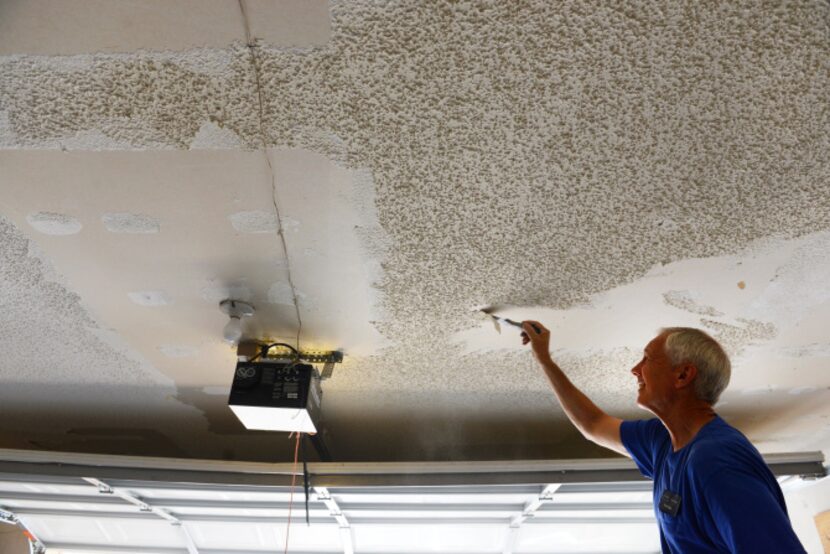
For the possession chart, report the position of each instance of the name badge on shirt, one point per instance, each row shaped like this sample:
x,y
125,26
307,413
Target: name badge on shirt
x,y
669,503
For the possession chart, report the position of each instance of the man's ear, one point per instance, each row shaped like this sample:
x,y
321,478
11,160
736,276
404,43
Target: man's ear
x,y
685,375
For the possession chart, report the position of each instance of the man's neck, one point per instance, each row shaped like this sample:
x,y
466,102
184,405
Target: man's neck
x,y
685,421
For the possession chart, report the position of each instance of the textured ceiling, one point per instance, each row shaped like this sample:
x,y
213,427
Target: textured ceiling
x,y
608,169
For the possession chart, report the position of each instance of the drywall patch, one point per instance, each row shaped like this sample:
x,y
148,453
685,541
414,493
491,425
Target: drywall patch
x,y
149,298
683,300
211,136
124,222
255,221
50,223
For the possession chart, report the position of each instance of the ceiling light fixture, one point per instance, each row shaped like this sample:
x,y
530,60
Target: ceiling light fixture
x,y
236,310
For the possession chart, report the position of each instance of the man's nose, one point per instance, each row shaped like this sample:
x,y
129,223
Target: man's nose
x,y
635,371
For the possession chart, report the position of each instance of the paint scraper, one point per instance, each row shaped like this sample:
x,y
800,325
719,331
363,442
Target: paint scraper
x,y
498,320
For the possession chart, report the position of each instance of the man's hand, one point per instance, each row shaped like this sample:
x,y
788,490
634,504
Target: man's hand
x,y
539,338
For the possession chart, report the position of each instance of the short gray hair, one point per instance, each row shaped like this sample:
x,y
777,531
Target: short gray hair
x,y
689,345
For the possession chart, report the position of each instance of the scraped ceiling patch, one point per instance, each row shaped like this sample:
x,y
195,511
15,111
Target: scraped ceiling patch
x,y
50,223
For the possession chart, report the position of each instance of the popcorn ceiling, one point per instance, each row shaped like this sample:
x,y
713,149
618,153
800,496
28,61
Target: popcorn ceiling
x,y
145,101
7,136
41,316
531,153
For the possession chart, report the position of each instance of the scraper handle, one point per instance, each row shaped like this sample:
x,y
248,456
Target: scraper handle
x,y
519,324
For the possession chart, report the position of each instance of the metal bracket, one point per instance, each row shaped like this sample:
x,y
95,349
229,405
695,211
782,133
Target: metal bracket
x,y
137,501
324,496
528,512
328,358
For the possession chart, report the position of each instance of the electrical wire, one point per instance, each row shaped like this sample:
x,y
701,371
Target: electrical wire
x,y
293,482
264,350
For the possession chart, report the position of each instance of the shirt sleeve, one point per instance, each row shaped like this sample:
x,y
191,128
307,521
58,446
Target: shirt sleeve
x,y
640,438
747,514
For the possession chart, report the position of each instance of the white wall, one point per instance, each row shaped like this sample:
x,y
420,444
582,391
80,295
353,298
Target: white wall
x,y
804,500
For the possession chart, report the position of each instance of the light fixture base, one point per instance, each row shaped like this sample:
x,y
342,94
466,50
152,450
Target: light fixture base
x,y
236,308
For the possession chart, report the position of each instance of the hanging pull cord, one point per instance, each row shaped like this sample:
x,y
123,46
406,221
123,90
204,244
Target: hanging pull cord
x,y
293,482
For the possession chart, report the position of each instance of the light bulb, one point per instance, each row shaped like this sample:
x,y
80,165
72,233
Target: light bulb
x,y
233,330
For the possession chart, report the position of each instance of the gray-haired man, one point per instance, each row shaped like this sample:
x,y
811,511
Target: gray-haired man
x,y
712,490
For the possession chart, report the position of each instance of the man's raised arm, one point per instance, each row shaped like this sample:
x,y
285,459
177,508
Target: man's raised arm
x,y
592,422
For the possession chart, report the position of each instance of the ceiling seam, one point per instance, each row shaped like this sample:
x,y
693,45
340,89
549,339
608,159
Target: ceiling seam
x,y
250,43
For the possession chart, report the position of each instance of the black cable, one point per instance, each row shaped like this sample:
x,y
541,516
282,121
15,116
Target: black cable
x,y
305,478
264,350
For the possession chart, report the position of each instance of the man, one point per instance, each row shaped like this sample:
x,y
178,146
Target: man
x,y
712,490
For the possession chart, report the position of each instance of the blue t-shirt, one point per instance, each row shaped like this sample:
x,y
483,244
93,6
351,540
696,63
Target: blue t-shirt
x,y
729,499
